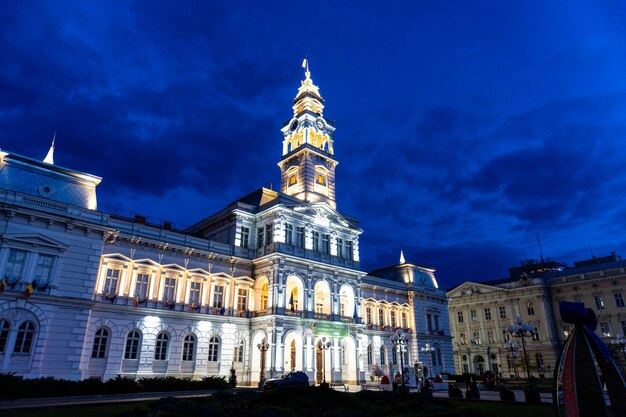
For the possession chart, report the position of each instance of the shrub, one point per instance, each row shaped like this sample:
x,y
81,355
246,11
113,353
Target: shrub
x,y
121,385
214,382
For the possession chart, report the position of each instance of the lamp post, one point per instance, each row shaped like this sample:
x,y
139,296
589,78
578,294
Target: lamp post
x,y
323,345
428,349
399,341
513,347
263,347
522,330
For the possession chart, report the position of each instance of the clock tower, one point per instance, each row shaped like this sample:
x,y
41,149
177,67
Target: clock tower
x,y
307,167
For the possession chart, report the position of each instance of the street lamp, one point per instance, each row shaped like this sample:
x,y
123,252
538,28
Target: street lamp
x,y
513,347
323,345
263,347
522,330
399,341
428,349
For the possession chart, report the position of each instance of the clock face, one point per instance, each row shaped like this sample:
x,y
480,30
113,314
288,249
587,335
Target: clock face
x,y
294,125
320,124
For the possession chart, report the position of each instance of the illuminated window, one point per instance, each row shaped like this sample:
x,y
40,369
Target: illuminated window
x,y
24,339
141,286
189,347
404,320
490,336
599,302
293,180
110,282
218,296
381,317
462,338
605,329
168,289
264,296
393,318
476,338
242,299
321,180
132,345
194,293
100,343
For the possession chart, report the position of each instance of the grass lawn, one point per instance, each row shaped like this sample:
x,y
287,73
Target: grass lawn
x,y
296,402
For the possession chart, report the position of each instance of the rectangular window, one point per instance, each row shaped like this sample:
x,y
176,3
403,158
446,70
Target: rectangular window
x,y
260,234
316,241
404,323
43,269
531,309
502,312
245,237
242,299
368,315
300,236
340,247
238,354
350,250
476,338
269,235
506,336
491,336
429,324
326,243
462,338
141,287
289,234
460,316
110,282
393,318
599,302
381,317
619,300
605,329
169,290
487,313
536,334
473,315
15,265
194,293
319,306
218,296
623,323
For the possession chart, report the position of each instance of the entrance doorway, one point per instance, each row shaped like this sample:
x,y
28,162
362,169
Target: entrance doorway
x,y
318,366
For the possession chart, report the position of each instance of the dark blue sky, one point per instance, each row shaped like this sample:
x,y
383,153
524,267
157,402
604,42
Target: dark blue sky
x,y
464,129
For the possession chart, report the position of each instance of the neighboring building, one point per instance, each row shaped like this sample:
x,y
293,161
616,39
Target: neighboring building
x,y
114,295
481,312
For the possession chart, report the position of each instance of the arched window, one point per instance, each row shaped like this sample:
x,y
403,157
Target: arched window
x,y
160,348
100,343
264,295
25,335
4,334
394,355
383,355
238,352
214,348
133,341
189,347
370,354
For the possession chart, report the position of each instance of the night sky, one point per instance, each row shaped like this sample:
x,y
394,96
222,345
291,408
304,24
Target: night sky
x,y
464,129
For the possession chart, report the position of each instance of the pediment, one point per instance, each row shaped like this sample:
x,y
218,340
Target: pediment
x,y
116,257
34,240
245,279
199,271
472,288
146,262
323,215
174,267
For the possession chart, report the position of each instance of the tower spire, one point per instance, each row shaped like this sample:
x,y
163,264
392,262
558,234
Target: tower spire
x,y
49,159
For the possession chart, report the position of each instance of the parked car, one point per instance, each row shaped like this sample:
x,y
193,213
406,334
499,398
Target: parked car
x,y
292,378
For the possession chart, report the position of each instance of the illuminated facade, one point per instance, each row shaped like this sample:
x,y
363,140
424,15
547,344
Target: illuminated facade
x,y
480,313
114,295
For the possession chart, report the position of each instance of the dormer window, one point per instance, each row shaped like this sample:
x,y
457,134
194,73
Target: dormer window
x,y
321,179
293,179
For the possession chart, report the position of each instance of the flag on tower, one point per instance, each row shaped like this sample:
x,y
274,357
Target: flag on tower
x,y
3,284
305,63
30,288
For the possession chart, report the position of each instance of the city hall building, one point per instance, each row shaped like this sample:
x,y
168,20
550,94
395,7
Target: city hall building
x,y
88,294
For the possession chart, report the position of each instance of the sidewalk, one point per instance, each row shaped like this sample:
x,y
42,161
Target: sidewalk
x,y
96,399
546,397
